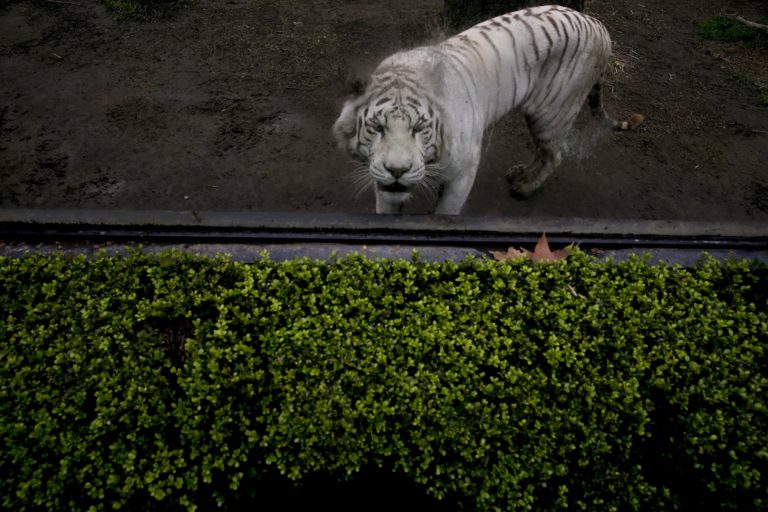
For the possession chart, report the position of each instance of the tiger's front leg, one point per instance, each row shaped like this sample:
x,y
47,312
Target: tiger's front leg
x,y
456,191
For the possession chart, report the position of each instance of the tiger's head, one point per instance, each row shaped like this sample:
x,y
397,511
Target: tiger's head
x,y
395,132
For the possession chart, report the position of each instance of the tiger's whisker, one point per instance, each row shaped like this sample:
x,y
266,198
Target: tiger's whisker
x,y
361,180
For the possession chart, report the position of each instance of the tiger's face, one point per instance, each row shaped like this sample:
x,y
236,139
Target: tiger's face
x,y
395,136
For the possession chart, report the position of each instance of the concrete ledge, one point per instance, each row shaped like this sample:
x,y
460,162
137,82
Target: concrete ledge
x,y
250,221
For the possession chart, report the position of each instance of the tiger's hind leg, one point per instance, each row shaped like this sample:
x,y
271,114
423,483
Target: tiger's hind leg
x,y
550,130
595,100
549,136
524,180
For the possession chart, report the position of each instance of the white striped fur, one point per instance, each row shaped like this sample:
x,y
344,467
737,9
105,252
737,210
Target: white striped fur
x,y
421,120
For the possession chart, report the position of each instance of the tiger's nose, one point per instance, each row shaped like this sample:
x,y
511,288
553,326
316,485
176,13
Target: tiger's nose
x,y
397,170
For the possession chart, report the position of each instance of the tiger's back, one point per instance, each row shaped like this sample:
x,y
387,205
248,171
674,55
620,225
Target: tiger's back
x,y
534,49
538,60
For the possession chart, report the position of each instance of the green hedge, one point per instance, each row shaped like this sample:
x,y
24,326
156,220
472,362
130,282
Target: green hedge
x,y
169,381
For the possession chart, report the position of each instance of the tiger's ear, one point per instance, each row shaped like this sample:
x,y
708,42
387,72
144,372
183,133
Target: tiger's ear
x,y
356,86
345,126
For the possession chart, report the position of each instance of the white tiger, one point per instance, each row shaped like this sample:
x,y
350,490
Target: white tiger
x,y
421,120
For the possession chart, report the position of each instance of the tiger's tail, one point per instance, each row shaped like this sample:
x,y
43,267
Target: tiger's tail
x,y
596,106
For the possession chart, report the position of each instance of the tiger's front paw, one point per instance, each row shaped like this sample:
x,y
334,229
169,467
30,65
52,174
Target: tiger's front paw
x,y
519,182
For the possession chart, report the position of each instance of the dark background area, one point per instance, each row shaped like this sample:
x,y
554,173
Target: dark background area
x,y
229,106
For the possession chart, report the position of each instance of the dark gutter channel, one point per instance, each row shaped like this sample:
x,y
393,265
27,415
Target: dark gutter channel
x,y
182,234
312,234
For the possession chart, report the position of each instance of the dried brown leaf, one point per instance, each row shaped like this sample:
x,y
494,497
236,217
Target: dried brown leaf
x,y
541,252
510,254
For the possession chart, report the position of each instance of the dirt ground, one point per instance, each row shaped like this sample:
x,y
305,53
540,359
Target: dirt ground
x,y
228,105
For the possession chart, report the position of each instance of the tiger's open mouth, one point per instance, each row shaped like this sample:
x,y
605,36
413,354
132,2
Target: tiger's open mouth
x,y
395,187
